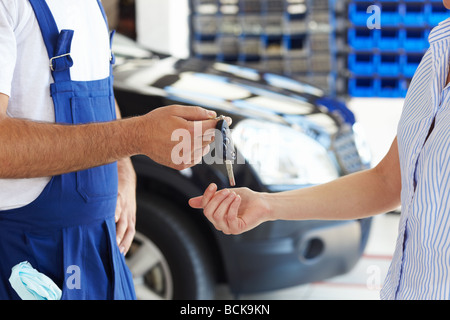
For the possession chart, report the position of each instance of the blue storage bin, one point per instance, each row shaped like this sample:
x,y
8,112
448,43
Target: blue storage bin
x,y
295,45
363,38
271,45
437,13
391,87
228,48
415,14
362,87
362,63
390,39
389,64
357,13
390,16
272,6
205,24
295,42
410,62
249,48
204,46
250,6
415,40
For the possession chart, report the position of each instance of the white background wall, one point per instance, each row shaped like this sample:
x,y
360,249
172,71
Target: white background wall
x,y
379,119
163,25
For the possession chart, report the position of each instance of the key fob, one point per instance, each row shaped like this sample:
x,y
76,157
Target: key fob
x,y
224,143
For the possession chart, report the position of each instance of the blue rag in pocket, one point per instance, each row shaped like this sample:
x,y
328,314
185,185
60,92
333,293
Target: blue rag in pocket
x,y
31,284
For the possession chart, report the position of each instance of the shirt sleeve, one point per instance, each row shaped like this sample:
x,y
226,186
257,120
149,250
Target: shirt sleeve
x,y
8,48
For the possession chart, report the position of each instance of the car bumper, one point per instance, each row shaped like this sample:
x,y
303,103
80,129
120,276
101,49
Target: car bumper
x,y
284,254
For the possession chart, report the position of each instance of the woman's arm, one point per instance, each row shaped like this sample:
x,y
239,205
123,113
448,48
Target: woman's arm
x,y
358,195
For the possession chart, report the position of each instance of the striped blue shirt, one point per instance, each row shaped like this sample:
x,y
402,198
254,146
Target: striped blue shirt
x,y
420,268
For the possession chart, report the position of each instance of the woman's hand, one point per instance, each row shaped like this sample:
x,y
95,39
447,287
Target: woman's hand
x,y
232,211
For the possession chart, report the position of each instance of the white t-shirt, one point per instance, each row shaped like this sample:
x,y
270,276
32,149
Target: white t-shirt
x,y
25,74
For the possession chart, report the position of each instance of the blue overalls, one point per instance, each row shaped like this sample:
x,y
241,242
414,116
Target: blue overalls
x,y
69,233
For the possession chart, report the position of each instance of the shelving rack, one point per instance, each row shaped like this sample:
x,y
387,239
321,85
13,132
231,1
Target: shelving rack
x,y
291,37
323,42
382,61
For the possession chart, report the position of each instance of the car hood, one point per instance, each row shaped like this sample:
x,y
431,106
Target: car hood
x,y
238,91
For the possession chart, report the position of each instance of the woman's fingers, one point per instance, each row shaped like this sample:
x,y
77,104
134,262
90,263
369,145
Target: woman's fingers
x,y
235,224
210,204
220,215
220,208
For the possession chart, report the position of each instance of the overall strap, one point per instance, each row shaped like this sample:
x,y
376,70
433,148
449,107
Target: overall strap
x,y
111,34
57,43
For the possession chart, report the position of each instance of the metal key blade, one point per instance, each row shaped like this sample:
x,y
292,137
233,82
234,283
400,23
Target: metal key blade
x,y
225,146
229,165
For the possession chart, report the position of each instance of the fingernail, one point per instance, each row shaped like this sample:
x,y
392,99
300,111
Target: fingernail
x,y
122,249
212,114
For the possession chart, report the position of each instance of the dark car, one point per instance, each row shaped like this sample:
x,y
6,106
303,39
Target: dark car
x,y
287,134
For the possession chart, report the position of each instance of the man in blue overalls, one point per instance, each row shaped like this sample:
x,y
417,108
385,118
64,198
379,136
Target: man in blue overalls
x,y
64,155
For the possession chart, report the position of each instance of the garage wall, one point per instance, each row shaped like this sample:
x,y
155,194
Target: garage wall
x,y
163,26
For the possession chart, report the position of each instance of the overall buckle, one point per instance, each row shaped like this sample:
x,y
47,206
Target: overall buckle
x,y
64,65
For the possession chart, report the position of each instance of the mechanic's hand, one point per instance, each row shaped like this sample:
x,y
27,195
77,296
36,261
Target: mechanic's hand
x,y
232,211
126,205
180,135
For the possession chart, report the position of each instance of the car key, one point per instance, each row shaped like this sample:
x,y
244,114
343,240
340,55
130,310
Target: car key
x,y
225,145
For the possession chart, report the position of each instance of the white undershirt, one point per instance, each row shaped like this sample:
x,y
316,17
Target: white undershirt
x,y
25,74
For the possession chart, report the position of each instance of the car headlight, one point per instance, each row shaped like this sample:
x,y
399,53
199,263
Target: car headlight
x,y
282,155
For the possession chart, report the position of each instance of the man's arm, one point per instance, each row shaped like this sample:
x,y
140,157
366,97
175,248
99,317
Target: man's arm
x,y
34,149
358,195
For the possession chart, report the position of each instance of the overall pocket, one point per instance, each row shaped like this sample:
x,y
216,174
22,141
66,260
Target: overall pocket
x,y
98,183
45,251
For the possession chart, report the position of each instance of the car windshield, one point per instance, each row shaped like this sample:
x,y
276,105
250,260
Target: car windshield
x,y
125,47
